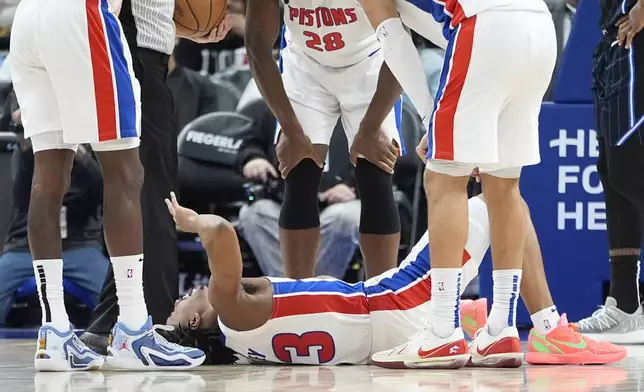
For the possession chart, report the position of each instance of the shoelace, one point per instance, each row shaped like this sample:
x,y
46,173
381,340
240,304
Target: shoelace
x,y
160,339
601,317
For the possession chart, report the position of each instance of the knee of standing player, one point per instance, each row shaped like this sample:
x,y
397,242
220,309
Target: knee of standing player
x,y
300,205
379,210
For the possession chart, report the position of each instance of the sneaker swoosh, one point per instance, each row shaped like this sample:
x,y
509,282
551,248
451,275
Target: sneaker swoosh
x,y
428,353
485,350
579,345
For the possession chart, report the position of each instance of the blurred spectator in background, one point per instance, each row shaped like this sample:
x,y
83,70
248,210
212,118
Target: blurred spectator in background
x,y
81,227
194,94
211,58
432,59
340,209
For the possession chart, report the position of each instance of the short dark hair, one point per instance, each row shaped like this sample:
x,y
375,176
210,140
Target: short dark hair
x,y
207,340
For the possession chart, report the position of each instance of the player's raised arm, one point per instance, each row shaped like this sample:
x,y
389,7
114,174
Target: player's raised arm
x,y
219,238
262,30
400,53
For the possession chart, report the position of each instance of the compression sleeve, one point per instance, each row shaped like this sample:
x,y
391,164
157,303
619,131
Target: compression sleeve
x,y
404,62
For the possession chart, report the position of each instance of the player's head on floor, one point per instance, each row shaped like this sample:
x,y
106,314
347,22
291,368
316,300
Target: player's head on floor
x,y
195,325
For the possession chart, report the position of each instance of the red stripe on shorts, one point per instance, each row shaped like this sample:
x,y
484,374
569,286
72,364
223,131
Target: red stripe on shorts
x,y
448,104
102,71
454,8
295,305
414,296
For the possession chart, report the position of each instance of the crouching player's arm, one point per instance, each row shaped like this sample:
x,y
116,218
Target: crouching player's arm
x,y
237,308
400,53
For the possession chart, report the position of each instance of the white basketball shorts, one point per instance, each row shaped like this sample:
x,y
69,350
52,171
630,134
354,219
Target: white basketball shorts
x,y
72,73
321,95
497,68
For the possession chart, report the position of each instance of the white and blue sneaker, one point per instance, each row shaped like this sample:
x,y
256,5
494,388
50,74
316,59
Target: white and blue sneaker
x,y
147,350
63,352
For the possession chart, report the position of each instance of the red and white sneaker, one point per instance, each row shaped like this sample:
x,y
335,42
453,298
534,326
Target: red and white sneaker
x,y
424,350
500,351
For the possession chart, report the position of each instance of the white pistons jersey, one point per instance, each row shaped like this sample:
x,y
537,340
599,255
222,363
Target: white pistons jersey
x,y
331,322
335,33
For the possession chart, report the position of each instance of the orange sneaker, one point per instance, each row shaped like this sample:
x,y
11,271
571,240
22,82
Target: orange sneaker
x,y
473,316
565,346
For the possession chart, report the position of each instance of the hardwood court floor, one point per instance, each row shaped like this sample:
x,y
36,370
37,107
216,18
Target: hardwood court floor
x,y
17,375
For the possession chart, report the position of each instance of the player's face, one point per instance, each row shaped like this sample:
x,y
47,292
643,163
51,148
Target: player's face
x,y
190,309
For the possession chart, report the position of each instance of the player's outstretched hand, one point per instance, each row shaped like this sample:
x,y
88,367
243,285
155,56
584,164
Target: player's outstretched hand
x,y
291,150
421,149
185,218
629,25
376,147
217,34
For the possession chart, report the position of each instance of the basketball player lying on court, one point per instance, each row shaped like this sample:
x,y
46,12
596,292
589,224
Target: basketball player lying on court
x,y
327,321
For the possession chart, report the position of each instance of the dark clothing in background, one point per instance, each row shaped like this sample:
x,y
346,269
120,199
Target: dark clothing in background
x,y
259,144
83,203
616,71
612,10
189,53
196,93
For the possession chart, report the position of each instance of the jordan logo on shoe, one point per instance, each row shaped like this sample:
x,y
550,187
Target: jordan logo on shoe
x,y
453,350
124,346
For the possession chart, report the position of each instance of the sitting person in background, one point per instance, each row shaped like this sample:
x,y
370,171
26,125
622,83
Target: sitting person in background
x,y
340,209
81,227
196,94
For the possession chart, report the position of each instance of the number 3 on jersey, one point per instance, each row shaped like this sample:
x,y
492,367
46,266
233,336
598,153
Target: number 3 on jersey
x,y
305,345
329,42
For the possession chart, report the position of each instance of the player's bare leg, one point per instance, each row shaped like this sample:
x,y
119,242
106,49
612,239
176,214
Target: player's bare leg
x,y
443,343
52,175
497,345
300,246
122,181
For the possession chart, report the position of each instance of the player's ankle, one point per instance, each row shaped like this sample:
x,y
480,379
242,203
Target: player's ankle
x,y
445,301
504,305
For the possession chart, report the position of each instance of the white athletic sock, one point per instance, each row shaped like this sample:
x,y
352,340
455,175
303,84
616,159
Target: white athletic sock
x,y
404,62
128,274
49,280
546,319
504,305
444,307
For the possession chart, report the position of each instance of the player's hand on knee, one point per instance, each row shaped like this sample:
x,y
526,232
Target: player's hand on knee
x,y
376,147
292,149
185,218
216,34
421,149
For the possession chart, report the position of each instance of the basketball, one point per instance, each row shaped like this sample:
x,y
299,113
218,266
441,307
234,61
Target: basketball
x,y
195,18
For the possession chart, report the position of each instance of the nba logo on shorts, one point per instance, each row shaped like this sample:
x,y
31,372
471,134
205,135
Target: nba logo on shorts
x,y
129,273
441,286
